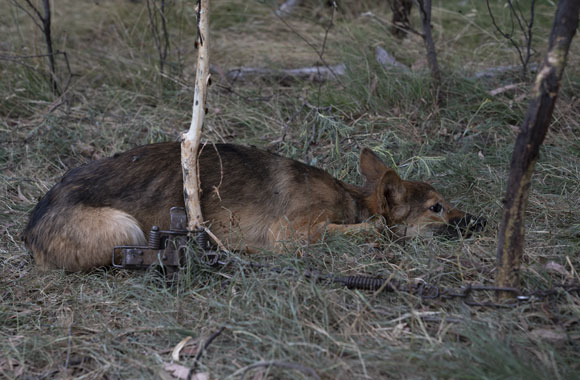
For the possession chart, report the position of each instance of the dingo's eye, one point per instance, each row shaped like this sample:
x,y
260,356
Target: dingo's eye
x,y
436,208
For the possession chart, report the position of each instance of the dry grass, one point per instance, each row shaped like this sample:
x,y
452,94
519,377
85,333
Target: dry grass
x,y
116,324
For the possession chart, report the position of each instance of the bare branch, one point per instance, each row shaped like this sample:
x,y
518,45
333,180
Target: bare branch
x,y
309,44
43,22
161,42
32,17
526,30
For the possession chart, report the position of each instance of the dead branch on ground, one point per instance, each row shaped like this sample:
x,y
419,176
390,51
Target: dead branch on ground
x,y
499,70
313,73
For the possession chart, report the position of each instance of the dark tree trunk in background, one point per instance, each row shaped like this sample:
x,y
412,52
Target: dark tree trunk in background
x,y
46,20
525,154
425,11
43,21
401,11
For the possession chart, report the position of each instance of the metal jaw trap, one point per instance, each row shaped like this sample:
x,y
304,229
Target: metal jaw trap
x,y
170,251
165,249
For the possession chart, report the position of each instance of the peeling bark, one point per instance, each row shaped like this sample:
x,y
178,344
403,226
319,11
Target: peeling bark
x,y
190,140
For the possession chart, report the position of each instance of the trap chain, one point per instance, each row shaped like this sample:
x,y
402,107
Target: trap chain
x,y
170,250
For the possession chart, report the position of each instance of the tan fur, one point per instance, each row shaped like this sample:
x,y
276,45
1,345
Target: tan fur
x,y
84,238
251,200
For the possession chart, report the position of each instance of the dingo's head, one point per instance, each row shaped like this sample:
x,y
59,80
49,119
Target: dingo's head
x,y
412,208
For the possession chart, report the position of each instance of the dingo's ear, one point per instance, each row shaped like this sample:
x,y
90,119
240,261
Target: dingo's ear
x,y
392,192
371,166
387,192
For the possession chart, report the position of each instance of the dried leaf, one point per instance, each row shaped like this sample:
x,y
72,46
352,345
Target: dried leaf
x,y
180,372
177,370
177,349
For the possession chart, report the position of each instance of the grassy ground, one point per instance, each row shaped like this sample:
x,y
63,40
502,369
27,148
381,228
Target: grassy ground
x,y
117,324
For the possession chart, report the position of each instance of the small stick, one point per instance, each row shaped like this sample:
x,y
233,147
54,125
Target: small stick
x,y
201,350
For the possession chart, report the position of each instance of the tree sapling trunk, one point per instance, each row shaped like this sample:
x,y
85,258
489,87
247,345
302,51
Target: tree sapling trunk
x,y
190,141
526,149
425,11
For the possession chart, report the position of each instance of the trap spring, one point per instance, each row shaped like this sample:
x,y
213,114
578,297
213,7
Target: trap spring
x,y
166,249
169,251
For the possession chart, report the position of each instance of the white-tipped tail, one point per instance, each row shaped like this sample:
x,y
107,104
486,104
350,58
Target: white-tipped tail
x,y
82,238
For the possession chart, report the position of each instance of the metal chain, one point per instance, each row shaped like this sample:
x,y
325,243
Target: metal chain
x,y
422,289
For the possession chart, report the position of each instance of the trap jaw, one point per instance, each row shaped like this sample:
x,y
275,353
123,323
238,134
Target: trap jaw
x,y
166,249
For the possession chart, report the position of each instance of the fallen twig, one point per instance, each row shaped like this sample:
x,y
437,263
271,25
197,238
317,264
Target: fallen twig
x,y
503,89
313,73
202,349
494,71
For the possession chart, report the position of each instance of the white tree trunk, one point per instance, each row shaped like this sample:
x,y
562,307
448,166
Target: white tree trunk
x,y
190,140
